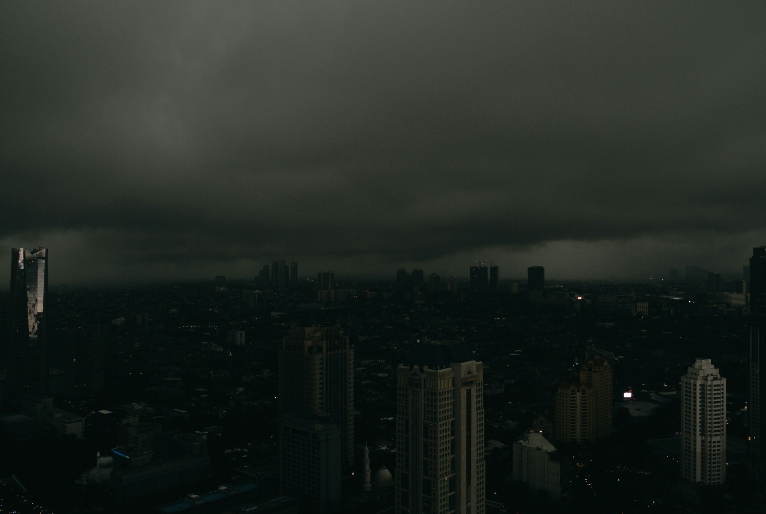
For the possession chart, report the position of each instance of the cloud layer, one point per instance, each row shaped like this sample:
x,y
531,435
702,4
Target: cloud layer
x,y
192,136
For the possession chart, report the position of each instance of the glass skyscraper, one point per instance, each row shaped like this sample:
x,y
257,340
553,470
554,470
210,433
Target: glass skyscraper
x,y
26,354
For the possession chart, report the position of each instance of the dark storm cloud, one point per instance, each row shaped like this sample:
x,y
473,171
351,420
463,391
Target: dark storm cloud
x,y
196,132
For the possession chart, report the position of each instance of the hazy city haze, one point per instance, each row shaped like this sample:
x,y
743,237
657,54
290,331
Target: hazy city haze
x,y
188,139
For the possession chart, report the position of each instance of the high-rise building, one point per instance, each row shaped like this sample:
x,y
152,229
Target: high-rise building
x,y
26,356
283,275
575,410
703,424
434,285
757,405
597,372
316,380
479,278
440,431
403,279
263,277
325,280
293,275
274,275
494,279
537,464
535,278
417,279
310,463
584,409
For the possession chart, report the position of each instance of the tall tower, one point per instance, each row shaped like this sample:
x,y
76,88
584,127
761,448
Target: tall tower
x,y
316,380
293,275
494,278
584,409
440,431
597,372
479,278
26,354
703,424
575,412
535,278
757,405
367,486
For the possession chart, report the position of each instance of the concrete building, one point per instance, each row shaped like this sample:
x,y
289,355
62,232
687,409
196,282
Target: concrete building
x,y
440,432
26,353
575,409
536,463
316,380
757,406
597,372
310,463
703,424
584,409
235,337
535,278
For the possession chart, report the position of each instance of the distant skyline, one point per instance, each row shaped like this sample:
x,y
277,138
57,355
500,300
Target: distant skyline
x,y
184,140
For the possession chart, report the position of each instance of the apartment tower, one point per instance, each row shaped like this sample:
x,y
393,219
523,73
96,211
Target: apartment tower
x,y
26,356
440,432
757,405
703,424
316,380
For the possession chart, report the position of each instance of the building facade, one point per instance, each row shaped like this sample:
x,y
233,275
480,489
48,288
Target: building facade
x,y
597,372
575,413
536,463
757,405
703,424
26,356
316,380
310,463
535,278
440,432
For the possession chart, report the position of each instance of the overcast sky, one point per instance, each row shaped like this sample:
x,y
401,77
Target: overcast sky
x,y
189,139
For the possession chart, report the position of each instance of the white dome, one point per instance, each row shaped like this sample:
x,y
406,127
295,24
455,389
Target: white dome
x,y
383,478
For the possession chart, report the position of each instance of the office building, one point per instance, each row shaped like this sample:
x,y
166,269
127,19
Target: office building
x,y
310,463
703,424
757,405
26,356
293,275
479,278
537,464
440,431
264,279
584,409
535,278
417,279
325,280
434,285
494,279
575,410
403,280
274,282
597,372
316,380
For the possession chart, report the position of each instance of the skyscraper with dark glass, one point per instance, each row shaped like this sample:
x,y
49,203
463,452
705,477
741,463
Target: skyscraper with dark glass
x,y
26,353
757,405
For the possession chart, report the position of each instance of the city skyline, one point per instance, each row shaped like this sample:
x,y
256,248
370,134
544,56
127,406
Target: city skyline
x,y
184,141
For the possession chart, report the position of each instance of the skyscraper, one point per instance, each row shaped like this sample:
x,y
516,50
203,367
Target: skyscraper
x,y
479,279
316,380
597,372
584,409
703,424
26,353
757,405
310,463
535,278
440,431
293,275
494,279
575,410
